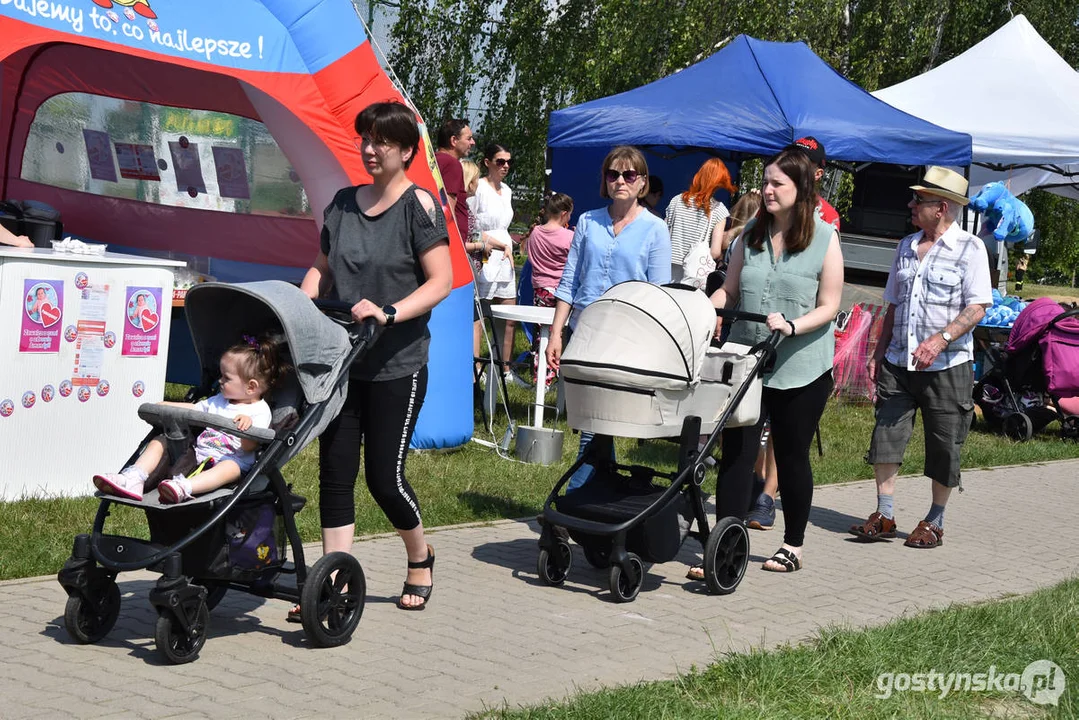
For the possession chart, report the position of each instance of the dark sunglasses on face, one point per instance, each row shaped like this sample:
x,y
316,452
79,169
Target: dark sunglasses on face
x,y
919,200
629,175
503,162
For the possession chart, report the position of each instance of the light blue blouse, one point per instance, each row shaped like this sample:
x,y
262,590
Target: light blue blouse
x,y
598,260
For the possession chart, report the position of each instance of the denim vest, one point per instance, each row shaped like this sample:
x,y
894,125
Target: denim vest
x,y
788,285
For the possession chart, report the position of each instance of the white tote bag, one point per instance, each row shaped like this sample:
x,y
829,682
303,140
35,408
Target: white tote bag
x,y
698,265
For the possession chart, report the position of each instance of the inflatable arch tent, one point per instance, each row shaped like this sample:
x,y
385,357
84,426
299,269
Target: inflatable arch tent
x,y
303,68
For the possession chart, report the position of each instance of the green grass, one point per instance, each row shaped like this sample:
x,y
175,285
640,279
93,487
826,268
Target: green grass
x,y
474,484
1031,291
836,674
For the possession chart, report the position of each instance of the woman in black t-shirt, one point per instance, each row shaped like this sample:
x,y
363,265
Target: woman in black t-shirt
x,y
384,248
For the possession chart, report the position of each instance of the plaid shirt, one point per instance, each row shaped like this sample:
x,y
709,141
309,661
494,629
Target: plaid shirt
x,y
930,293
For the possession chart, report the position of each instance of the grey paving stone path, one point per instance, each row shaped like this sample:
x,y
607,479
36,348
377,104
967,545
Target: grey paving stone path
x,y
493,635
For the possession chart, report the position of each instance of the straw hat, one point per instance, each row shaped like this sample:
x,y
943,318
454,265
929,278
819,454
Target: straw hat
x,y
944,183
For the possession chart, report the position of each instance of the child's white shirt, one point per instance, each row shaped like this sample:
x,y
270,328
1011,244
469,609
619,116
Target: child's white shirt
x,y
212,443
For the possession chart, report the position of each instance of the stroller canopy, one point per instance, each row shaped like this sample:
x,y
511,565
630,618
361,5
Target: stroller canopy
x,y
220,315
644,335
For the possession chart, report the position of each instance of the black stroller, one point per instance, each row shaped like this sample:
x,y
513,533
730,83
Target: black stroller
x,y
641,364
237,537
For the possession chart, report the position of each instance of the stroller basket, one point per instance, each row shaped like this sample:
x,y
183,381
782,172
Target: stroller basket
x,y
615,499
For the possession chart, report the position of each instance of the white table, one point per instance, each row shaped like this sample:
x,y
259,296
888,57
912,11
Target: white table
x,y
71,405
543,317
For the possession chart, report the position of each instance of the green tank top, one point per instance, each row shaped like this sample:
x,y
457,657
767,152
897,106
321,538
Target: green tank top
x,y
786,285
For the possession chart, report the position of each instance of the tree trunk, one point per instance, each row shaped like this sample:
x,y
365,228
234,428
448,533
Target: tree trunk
x,y
931,62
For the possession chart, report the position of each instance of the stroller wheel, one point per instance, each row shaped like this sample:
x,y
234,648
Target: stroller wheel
x,y
178,645
332,600
553,565
1018,427
726,555
622,588
89,619
1069,428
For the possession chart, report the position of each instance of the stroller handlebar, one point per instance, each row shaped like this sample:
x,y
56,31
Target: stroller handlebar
x,y
773,340
341,311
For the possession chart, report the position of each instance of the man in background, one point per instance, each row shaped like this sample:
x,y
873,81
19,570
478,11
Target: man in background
x,y
455,141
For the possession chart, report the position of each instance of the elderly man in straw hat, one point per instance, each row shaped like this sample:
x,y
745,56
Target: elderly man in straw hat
x,y
938,289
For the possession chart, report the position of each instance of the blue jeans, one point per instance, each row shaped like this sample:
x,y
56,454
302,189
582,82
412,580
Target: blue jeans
x,y
586,471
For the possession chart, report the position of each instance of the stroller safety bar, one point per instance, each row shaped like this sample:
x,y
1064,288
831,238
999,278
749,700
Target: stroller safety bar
x,y
166,416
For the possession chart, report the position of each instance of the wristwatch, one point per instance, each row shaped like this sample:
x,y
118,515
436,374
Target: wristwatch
x,y
947,336
391,314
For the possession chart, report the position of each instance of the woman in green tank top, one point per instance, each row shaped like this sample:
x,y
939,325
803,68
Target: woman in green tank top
x,y
788,266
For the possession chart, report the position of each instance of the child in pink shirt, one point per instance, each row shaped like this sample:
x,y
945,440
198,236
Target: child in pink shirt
x,y
548,247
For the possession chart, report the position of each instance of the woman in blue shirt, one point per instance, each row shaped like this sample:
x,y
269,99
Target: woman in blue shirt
x,y
620,242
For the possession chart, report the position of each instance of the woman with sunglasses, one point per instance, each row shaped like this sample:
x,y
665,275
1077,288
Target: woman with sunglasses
x,y
385,250
493,208
612,244
788,266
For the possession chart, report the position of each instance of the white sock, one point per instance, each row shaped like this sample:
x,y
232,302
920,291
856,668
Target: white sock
x,y
182,482
135,473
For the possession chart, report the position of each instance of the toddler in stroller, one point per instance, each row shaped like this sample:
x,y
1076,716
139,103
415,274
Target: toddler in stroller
x,y
234,537
249,371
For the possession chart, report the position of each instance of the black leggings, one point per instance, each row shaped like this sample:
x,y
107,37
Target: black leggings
x,y
382,415
794,415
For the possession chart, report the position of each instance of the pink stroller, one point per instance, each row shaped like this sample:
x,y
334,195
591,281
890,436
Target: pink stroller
x,y
1035,377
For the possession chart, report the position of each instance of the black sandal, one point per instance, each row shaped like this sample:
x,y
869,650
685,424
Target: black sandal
x,y
786,558
420,591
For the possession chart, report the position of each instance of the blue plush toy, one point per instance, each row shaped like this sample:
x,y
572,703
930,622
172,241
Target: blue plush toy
x,y
1008,217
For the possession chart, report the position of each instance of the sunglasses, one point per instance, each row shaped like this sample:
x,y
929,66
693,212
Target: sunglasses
x,y
919,200
630,176
358,141
503,162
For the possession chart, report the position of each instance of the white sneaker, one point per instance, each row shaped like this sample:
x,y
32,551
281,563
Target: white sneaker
x,y
119,484
174,490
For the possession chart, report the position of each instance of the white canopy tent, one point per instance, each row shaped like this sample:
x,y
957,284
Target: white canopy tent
x,y
1017,99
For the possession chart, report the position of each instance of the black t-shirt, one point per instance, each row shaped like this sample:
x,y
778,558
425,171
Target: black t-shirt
x,y
377,257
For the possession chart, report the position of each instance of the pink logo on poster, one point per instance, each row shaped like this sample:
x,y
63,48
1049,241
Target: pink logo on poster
x,y
6,408
84,394
70,333
47,393
138,388
103,388
28,399
110,339
81,280
43,302
65,388
143,319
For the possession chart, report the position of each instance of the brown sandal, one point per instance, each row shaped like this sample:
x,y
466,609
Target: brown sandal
x,y
926,536
875,528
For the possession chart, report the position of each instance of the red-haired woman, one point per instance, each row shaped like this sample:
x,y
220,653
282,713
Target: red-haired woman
x,y
697,216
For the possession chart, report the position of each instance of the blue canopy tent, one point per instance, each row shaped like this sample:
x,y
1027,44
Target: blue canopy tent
x,y
750,98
